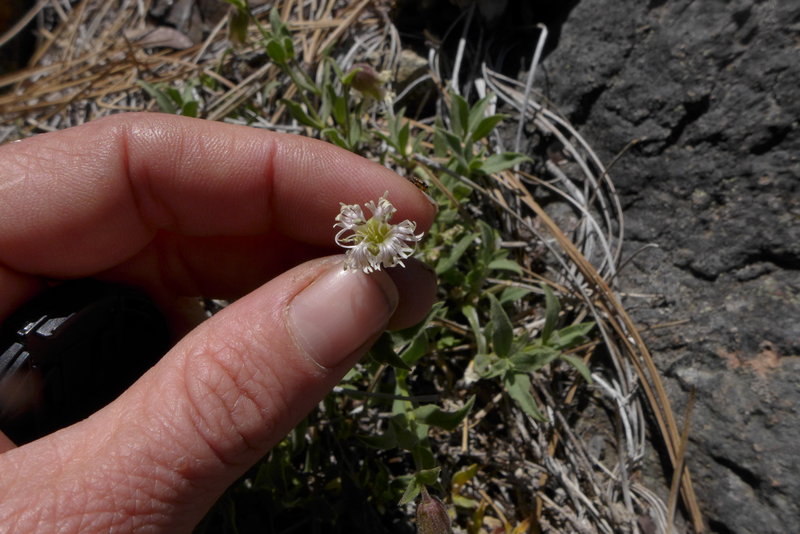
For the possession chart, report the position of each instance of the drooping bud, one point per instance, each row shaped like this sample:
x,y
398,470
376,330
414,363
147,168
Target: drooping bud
x,y
432,515
368,82
237,26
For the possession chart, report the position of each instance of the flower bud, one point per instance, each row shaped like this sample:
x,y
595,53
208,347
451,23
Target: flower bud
x,y
368,82
432,517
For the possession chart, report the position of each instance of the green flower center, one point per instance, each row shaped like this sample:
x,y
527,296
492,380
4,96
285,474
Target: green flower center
x,y
374,232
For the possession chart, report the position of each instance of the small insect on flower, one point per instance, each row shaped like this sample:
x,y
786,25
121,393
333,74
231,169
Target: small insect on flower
x,y
375,241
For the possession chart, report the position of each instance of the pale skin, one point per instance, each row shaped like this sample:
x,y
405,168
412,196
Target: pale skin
x,y
184,207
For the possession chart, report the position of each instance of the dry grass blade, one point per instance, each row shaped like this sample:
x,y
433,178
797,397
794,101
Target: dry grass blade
x,y
639,355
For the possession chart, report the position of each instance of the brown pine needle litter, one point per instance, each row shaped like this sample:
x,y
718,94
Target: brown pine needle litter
x,y
582,468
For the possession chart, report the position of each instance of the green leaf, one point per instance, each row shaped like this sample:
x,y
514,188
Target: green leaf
x,y
474,322
439,140
464,502
412,491
579,365
475,165
513,294
302,80
402,138
533,359
422,453
518,386
458,250
347,79
459,115
505,264
551,310
456,149
427,477
190,109
487,243
275,22
465,475
571,336
500,162
407,437
386,441
433,415
174,94
334,137
339,109
288,47
486,126
325,107
354,131
416,330
164,102
383,352
276,52
338,70
476,114
502,331
415,350
297,111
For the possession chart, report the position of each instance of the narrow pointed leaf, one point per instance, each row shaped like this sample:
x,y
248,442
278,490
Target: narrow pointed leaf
x,y
551,310
458,250
276,52
164,103
433,415
579,365
502,331
518,386
530,360
505,264
500,162
571,336
383,351
299,114
474,322
486,126
477,114
459,114
513,294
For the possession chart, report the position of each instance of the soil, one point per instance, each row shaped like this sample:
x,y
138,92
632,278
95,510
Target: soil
x,y
710,90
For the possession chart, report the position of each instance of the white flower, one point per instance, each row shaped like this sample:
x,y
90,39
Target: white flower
x,y
374,242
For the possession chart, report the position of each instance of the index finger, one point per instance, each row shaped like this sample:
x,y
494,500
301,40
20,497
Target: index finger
x,y
83,200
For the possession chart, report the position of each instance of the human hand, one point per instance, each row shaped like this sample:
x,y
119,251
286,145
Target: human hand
x,y
184,207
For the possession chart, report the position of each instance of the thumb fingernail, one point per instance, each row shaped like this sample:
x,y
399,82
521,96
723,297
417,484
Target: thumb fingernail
x,y
339,312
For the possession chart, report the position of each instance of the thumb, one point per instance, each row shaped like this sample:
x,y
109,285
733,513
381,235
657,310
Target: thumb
x,y
160,455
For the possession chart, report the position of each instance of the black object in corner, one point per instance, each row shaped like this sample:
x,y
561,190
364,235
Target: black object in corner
x,y
72,350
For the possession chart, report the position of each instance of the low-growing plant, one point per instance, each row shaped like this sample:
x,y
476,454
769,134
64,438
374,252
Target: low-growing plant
x,y
381,438
172,100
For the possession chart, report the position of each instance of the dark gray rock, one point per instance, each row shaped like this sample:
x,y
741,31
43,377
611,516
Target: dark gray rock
x,y
711,89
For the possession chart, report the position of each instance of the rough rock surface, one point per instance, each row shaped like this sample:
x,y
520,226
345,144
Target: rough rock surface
x,y
711,88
